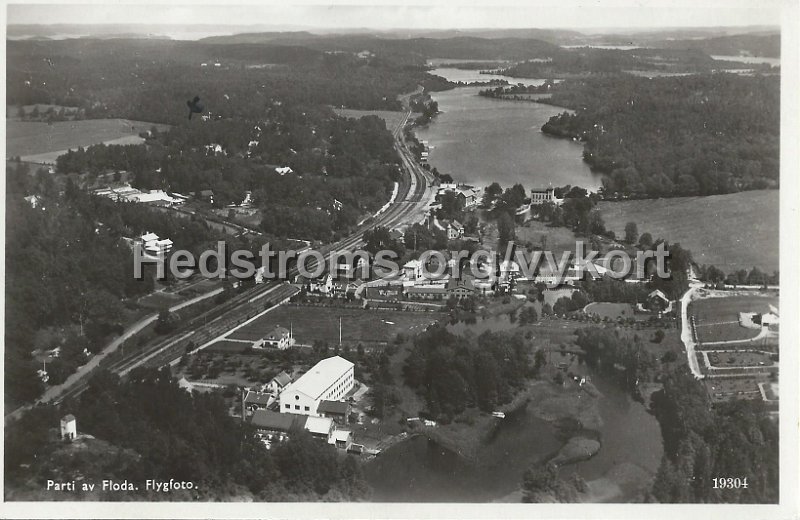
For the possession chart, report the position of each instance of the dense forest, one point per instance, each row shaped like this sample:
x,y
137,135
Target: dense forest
x,y
694,135
702,441
453,373
587,61
70,272
351,161
159,431
150,80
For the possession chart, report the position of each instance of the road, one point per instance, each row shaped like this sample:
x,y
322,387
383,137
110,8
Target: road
x,y
415,192
56,391
687,335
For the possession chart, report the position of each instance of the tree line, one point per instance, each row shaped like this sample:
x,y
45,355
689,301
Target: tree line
x,y
692,135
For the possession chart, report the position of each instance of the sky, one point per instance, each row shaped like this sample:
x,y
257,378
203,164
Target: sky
x,y
439,15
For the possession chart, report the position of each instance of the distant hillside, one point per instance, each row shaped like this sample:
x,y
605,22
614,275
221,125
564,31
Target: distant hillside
x,y
461,47
766,45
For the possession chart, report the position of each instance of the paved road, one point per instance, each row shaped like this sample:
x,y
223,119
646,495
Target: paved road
x,y
686,327
132,330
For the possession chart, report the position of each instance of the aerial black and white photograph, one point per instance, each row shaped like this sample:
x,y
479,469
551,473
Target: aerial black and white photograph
x,y
400,255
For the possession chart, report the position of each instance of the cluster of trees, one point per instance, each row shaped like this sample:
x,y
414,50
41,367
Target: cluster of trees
x,y
702,442
351,161
186,437
692,135
755,276
567,304
625,360
515,91
453,373
70,271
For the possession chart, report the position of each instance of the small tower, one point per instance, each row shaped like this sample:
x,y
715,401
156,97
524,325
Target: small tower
x,y
69,427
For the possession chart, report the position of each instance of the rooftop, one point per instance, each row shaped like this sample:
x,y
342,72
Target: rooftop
x,y
337,407
284,422
314,382
256,398
319,425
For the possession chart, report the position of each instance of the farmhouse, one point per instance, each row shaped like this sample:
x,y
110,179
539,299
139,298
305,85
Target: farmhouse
x,y
329,380
279,337
283,170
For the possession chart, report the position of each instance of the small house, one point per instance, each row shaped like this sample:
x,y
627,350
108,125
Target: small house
x,y
336,410
69,427
278,383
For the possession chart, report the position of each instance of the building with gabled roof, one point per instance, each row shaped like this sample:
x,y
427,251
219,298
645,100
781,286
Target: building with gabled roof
x,y
329,380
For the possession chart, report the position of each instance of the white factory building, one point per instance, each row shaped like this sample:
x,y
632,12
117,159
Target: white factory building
x,y
329,380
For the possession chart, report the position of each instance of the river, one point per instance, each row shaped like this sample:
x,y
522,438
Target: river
x,y
480,140
420,470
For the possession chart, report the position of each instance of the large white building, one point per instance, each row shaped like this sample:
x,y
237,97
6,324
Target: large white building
x,y
329,380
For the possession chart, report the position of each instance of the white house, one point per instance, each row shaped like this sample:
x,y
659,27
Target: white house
x,y
279,337
542,196
283,170
153,245
69,427
278,383
34,200
412,270
329,380
454,230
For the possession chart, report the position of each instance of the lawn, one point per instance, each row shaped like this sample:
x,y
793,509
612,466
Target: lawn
x,y
738,359
718,318
312,323
610,310
542,236
37,140
392,118
733,231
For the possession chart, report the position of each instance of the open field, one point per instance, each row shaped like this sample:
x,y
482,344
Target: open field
x,y
311,323
717,319
610,310
734,231
37,140
392,118
556,239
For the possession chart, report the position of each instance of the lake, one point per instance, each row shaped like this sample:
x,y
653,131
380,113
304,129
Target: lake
x,y
469,75
774,62
479,140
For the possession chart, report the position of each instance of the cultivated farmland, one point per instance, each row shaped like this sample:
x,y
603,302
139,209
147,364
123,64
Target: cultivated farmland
x,y
734,231
42,142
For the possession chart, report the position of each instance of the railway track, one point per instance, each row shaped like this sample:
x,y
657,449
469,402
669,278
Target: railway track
x,y
243,306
